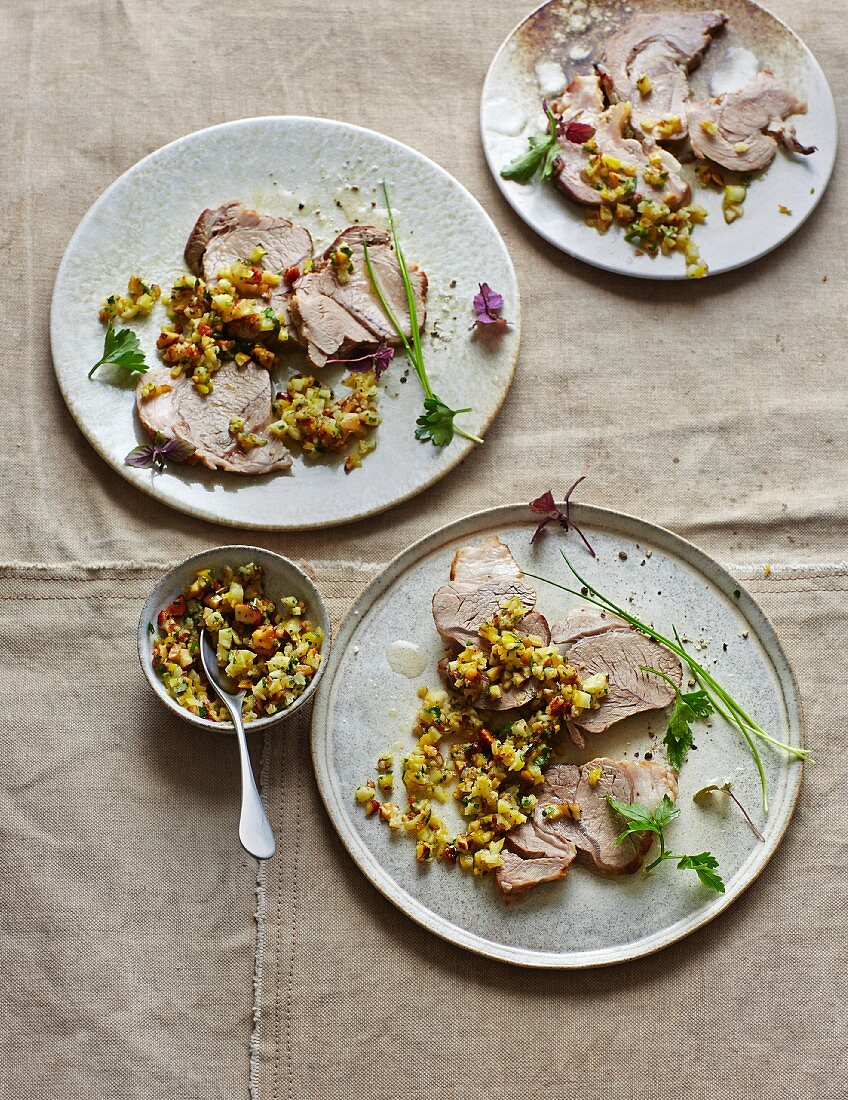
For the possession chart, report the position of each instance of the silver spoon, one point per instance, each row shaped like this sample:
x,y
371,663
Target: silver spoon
x,y
254,828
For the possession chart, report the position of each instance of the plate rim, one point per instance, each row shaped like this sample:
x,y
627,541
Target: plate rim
x,y
648,274
462,447
530,958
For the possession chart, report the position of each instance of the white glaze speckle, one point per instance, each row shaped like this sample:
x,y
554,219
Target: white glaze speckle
x,y
551,78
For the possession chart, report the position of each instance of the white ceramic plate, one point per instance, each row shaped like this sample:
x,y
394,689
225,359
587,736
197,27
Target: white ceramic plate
x,y
564,37
366,705
140,224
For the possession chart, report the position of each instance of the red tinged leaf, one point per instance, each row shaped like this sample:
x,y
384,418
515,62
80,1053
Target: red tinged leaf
x,y
579,132
547,507
377,360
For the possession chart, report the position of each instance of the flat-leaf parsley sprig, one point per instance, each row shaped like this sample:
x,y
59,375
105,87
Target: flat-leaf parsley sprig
x,y
639,820
722,701
544,148
121,349
688,707
437,423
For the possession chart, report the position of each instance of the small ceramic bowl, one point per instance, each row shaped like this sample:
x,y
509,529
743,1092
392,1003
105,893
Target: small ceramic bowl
x,y
282,578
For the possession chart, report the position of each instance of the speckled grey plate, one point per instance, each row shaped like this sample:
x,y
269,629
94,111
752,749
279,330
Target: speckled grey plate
x,y
140,224
388,646
564,37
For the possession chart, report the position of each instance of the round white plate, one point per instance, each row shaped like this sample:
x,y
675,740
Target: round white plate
x,y
141,223
364,706
564,37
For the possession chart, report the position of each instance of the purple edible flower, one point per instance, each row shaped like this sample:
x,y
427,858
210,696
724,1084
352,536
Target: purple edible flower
x,y
160,451
487,305
377,360
546,506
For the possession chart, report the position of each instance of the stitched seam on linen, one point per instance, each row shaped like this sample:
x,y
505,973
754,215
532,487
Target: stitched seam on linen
x,y
80,596
261,941
293,927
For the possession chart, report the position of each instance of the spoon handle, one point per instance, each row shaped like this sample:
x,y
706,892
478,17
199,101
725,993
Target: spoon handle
x,y
255,831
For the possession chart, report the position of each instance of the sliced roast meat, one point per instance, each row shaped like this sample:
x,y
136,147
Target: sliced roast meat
x,y
534,625
335,315
647,61
231,232
460,609
204,421
741,130
479,563
516,875
596,828
609,139
580,622
583,102
619,652
589,829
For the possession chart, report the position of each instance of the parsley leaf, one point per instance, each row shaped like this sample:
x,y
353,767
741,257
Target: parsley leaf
x,y
704,865
688,707
436,422
640,819
543,151
121,349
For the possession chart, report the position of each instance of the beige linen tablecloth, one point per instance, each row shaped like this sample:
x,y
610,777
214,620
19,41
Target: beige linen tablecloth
x,y
141,954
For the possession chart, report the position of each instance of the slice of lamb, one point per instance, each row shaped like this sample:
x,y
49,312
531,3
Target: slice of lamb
x,y
580,622
582,101
515,875
460,609
596,831
529,843
333,318
609,138
231,232
204,421
663,46
479,563
619,652
748,124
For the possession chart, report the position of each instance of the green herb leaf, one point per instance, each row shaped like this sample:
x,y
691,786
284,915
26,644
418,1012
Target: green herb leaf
x,y
435,424
640,819
688,707
704,865
525,167
121,349
543,151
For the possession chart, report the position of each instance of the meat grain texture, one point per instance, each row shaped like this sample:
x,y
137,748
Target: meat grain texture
x,y
204,421
231,232
582,101
749,125
594,642
591,838
662,47
333,317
